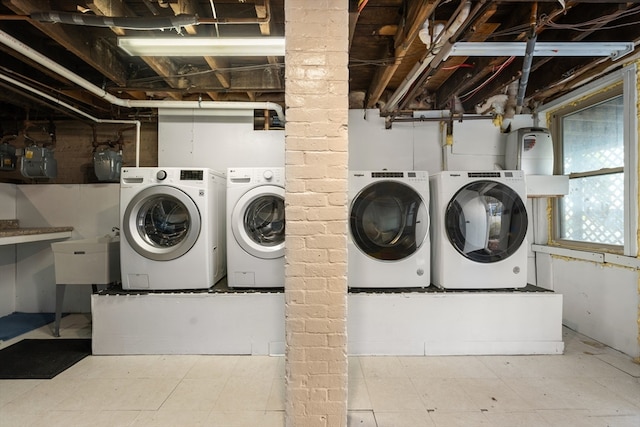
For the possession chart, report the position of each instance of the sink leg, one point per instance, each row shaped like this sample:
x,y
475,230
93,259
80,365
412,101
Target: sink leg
x,y
60,288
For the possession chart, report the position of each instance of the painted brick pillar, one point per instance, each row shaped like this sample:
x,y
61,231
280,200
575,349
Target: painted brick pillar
x,y
316,96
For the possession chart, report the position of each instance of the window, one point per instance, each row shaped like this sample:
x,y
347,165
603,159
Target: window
x,y
595,136
593,157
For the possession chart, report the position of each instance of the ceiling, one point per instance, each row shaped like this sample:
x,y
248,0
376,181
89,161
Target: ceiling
x,y
390,67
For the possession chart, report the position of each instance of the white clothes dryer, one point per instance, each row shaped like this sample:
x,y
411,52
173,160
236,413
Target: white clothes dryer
x,y
255,227
388,240
172,228
478,230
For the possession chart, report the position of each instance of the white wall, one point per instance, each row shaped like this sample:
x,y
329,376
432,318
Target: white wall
x,y
207,138
7,253
91,209
600,300
479,144
420,145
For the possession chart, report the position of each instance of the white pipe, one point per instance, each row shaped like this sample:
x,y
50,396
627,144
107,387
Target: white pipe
x,y
80,112
420,66
30,53
510,105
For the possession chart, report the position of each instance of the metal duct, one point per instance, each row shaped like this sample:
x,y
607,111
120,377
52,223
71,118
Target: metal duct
x,y
137,23
526,71
148,23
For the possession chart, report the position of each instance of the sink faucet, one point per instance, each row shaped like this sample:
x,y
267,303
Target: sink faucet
x,y
116,230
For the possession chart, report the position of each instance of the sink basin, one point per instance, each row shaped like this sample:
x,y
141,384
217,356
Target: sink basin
x,y
87,261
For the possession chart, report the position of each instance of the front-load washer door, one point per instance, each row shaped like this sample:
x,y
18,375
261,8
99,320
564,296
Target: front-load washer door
x,y
388,221
161,223
486,221
257,221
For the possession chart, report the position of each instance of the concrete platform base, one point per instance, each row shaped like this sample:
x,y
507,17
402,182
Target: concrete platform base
x,y
394,322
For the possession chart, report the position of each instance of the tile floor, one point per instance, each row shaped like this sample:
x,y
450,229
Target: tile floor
x,y
590,385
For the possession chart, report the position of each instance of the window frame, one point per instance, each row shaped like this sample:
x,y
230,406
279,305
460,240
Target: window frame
x,y
623,82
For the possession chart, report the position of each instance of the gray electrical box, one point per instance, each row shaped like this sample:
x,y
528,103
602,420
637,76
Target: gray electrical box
x,y
107,165
38,162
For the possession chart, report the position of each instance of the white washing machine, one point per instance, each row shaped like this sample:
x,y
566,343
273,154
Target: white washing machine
x,y
255,227
172,228
388,240
478,230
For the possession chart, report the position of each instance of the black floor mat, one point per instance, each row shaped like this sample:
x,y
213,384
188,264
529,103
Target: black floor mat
x,y
41,358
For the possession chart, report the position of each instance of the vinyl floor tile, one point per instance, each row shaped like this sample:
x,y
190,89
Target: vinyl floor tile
x,y
446,367
14,389
404,419
358,398
393,394
591,385
211,366
171,418
444,395
361,419
241,394
460,419
96,418
194,395
259,367
515,419
493,395
246,419
117,394
382,367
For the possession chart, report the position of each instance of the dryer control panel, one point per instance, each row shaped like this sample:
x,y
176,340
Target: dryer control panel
x,y
255,176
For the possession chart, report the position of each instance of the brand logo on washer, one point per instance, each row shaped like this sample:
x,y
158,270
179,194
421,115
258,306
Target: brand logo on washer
x,y
201,193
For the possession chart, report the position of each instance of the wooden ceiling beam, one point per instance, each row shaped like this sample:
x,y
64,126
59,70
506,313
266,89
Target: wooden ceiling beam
x,y
190,7
98,54
164,67
464,80
419,11
567,66
262,12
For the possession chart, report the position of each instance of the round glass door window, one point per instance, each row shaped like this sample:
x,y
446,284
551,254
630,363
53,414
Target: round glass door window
x,y
389,221
161,223
264,220
258,222
486,221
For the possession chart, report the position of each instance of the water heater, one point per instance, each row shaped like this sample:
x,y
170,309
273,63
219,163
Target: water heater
x,y
530,150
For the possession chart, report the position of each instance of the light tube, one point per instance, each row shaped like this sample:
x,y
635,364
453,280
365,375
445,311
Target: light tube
x,y
615,50
202,46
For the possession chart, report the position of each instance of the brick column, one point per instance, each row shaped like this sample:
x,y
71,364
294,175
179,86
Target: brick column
x,y
316,95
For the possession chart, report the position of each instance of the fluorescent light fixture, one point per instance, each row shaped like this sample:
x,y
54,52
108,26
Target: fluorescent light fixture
x,y
614,50
202,46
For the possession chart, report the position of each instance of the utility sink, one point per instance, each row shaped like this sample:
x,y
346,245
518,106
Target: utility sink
x,y
87,261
